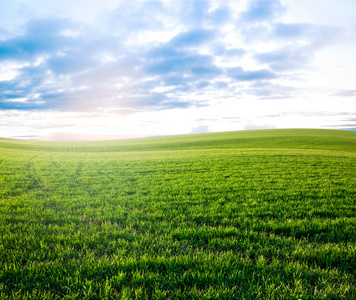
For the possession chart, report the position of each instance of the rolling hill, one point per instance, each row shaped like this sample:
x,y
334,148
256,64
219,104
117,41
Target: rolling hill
x,y
264,214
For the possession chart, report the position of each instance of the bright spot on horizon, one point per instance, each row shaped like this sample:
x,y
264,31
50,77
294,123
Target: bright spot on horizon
x,y
94,70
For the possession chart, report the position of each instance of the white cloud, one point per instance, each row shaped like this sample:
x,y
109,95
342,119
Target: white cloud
x,y
143,68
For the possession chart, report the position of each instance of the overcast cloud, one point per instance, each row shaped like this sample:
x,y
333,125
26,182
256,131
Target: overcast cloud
x,y
134,59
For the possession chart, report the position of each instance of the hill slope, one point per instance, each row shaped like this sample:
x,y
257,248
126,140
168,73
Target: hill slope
x,y
267,214
275,138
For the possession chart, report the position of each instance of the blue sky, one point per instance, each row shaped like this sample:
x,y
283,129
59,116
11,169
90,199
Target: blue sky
x,y
83,70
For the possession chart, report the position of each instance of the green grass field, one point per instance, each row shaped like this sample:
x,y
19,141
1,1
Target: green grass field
x,y
265,214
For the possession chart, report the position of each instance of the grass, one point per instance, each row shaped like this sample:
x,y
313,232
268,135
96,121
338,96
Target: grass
x,y
266,214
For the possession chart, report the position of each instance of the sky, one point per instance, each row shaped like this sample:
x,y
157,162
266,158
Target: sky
x,y
99,69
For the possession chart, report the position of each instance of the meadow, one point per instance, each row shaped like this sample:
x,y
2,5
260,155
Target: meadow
x,y
265,214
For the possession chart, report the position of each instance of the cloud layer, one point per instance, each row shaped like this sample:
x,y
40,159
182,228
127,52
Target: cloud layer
x,y
68,65
146,56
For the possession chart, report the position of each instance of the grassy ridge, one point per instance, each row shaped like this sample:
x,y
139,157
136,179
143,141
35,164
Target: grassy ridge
x,y
281,138
255,215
